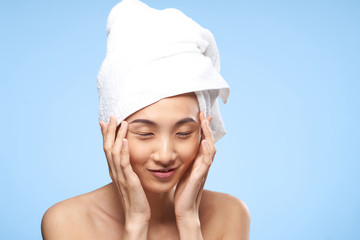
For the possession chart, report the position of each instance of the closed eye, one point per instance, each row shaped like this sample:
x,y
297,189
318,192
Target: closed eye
x,y
184,134
145,134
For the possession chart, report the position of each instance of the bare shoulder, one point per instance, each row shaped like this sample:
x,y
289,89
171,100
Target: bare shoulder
x,y
229,212
61,220
225,204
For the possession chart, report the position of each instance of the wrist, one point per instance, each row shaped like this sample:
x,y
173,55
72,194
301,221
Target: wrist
x,y
135,230
189,228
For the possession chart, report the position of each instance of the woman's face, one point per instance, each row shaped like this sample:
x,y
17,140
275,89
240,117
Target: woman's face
x,y
163,141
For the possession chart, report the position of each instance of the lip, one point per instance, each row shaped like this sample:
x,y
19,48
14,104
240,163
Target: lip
x,y
163,173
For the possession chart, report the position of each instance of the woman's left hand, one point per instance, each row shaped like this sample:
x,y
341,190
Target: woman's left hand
x,y
190,187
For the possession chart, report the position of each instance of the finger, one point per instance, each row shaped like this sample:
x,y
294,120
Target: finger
x,y
210,118
206,167
203,162
116,149
200,172
129,174
118,155
109,160
103,127
207,156
108,144
110,132
205,125
121,133
108,141
206,128
203,137
201,118
135,195
204,180
201,188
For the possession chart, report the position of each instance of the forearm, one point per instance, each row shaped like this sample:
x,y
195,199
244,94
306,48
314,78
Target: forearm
x,y
190,229
135,231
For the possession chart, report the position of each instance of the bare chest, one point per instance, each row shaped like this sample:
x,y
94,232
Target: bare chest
x,y
110,229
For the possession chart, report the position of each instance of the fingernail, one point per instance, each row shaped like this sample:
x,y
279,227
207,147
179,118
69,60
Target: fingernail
x,y
125,143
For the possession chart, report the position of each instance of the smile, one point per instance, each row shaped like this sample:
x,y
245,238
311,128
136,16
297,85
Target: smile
x,y
163,173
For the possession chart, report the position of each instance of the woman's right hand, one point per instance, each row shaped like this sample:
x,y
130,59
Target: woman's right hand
x,y
135,205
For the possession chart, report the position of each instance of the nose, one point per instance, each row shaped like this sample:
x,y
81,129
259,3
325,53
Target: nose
x,y
164,154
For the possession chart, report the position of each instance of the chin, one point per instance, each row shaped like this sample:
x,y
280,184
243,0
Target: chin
x,y
158,187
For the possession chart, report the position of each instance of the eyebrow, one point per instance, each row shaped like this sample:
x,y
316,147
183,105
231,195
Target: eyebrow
x,y
149,122
185,120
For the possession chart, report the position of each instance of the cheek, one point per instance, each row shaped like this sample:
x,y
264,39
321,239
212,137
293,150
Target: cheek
x,y
139,152
188,150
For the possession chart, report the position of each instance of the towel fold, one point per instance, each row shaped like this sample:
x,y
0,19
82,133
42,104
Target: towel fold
x,y
153,54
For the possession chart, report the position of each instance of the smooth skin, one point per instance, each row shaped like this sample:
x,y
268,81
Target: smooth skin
x,y
169,134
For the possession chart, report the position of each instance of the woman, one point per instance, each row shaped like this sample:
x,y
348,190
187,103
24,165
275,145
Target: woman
x,y
160,91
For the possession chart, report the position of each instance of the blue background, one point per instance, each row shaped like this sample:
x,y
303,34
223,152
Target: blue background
x,y
292,148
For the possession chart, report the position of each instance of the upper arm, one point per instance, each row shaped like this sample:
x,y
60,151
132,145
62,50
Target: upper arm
x,y
57,222
238,220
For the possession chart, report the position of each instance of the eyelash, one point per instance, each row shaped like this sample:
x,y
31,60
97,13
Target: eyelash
x,y
184,135
181,134
145,134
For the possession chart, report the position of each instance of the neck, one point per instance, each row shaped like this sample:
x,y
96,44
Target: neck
x,y
162,206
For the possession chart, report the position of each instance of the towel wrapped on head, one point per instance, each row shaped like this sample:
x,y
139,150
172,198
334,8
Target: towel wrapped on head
x,y
153,54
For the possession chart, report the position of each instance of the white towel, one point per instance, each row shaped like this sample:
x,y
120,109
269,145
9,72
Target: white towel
x,y
153,54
